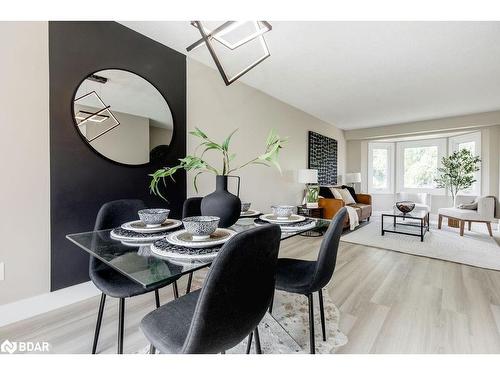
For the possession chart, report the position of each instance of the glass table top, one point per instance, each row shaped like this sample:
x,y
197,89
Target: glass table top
x,y
416,213
137,262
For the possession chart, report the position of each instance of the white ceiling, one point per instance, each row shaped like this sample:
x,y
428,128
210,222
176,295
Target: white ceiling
x,y
365,74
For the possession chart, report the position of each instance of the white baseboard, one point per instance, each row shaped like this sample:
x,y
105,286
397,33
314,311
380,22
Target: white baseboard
x,y
30,307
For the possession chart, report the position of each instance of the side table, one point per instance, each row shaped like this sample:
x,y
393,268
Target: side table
x,y
316,213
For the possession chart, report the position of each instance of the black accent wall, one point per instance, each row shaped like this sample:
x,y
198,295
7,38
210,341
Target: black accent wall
x,y
80,179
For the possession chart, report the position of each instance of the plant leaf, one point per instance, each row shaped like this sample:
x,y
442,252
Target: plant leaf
x,y
225,144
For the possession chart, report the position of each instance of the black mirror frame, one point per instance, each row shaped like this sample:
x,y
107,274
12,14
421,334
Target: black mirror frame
x,y
161,151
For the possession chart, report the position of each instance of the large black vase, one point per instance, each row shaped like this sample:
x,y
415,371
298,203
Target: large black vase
x,y
222,203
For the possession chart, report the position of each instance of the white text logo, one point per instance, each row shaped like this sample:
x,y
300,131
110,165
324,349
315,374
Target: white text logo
x,y
24,346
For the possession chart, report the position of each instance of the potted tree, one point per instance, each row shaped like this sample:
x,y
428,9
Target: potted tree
x,y
457,173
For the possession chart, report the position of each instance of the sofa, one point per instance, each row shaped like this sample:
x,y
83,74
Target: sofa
x,y
331,205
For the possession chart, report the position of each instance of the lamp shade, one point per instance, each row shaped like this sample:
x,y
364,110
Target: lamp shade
x,y
308,176
351,178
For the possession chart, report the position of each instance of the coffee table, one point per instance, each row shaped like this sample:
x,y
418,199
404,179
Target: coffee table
x,y
414,223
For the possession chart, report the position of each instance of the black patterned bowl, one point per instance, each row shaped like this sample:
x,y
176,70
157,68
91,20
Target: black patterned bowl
x,y
245,207
201,227
153,217
405,206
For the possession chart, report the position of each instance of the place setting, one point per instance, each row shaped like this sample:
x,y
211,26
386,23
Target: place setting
x,y
247,212
201,239
283,216
152,225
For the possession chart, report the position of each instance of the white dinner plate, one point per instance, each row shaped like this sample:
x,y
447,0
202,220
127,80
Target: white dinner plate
x,y
275,220
288,229
139,227
250,213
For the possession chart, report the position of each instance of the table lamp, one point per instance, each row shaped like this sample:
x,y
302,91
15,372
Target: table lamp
x,y
353,178
309,177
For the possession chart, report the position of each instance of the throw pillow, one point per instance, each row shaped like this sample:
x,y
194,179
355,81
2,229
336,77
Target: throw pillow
x,y
352,191
346,196
336,193
468,206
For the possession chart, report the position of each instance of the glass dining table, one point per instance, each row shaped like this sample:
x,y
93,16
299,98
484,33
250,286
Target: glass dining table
x,y
137,262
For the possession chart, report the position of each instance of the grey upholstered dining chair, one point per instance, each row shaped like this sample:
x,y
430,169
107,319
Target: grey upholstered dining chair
x,y
306,277
110,282
231,303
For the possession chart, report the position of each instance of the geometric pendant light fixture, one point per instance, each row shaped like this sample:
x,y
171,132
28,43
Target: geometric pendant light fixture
x,y
221,34
102,115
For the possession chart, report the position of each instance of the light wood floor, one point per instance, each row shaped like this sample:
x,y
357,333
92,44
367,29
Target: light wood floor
x,y
389,302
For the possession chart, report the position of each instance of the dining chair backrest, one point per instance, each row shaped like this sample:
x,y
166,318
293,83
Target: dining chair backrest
x,y
191,207
115,213
112,215
237,291
327,257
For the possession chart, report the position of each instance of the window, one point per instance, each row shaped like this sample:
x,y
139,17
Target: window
x,y
471,142
380,167
417,164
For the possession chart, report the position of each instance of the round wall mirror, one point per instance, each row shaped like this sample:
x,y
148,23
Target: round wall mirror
x,y
123,117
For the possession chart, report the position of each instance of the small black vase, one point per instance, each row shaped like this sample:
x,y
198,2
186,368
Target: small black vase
x,y
222,203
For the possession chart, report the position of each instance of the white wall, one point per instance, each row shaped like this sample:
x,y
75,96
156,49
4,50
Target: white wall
x,y
159,136
24,148
218,110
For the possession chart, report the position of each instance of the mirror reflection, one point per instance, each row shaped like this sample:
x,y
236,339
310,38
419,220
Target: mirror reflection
x,y
122,116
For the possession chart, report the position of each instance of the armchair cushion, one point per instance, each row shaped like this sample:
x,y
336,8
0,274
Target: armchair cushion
x,y
461,214
485,209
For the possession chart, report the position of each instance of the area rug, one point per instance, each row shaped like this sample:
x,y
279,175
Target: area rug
x,y
287,330
475,248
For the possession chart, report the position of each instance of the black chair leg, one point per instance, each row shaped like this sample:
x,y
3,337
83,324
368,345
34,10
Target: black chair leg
x,y
311,324
271,304
190,279
249,342
121,323
322,314
157,298
152,349
258,349
98,323
176,289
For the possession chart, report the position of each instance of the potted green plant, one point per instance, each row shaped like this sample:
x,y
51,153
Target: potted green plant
x,y
457,171
220,203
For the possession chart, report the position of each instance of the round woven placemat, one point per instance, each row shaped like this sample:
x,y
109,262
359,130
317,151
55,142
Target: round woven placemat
x,y
166,246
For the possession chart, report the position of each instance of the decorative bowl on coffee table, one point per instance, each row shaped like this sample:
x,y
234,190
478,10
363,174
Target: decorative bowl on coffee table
x,y
405,206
